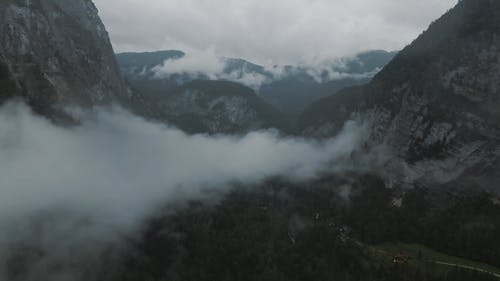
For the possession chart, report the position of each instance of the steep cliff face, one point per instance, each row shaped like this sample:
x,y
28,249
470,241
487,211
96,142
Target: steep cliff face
x,y
58,53
437,103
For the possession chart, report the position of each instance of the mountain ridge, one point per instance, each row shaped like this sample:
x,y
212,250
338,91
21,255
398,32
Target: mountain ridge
x,y
216,107
289,88
436,103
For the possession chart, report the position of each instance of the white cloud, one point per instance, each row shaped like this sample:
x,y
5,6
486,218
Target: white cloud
x,y
207,64
202,64
269,31
249,79
115,161
195,62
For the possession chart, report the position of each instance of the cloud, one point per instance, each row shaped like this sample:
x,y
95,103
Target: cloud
x,y
115,161
70,193
206,64
195,63
322,74
271,31
250,79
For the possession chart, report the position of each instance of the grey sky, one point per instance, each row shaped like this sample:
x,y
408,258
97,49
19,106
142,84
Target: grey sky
x,y
268,31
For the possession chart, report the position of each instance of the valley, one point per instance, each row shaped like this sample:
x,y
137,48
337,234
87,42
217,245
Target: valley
x,y
190,165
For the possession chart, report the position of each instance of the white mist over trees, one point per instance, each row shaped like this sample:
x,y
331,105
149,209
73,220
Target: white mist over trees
x,y
115,161
83,187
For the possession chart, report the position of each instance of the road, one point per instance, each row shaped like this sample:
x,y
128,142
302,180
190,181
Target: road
x,y
467,267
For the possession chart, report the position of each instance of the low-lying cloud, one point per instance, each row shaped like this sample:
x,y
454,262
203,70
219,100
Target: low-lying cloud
x,y
207,64
68,192
115,161
195,62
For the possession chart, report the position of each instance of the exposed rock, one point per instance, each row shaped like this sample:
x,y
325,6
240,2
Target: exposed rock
x,y
58,53
437,104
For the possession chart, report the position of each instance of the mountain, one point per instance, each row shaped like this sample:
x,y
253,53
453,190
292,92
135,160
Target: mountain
x,y
437,104
57,53
288,88
8,87
216,107
136,66
299,87
194,103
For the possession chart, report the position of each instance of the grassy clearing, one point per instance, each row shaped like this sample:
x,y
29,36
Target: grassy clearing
x,y
425,258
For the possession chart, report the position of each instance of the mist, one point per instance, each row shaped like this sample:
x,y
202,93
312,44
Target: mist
x,y
195,62
69,188
208,64
115,161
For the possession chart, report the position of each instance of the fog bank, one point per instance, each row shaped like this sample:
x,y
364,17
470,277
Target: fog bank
x,y
71,192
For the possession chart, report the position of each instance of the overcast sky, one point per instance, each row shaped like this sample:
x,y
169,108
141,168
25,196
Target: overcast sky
x,y
268,31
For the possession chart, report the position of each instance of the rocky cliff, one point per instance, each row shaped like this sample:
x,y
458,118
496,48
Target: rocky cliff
x,y
437,104
58,53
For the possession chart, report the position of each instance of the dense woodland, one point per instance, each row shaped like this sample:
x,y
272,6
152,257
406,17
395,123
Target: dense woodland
x,y
7,86
316,231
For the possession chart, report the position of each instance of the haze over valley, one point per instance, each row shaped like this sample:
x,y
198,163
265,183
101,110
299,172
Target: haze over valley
x,y
239,140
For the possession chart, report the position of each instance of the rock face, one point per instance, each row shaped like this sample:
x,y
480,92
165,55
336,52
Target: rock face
x,y
216,107
437,104
58,53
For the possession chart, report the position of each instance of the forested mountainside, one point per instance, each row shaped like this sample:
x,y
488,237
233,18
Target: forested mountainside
x,y
297,89
8,87
58,53
216,107
284,231
338,227
194,103
437,104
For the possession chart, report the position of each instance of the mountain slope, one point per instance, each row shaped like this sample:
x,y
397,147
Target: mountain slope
x,y
437,104
58,53
8,87
215,107
298,88
140,65
293,94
